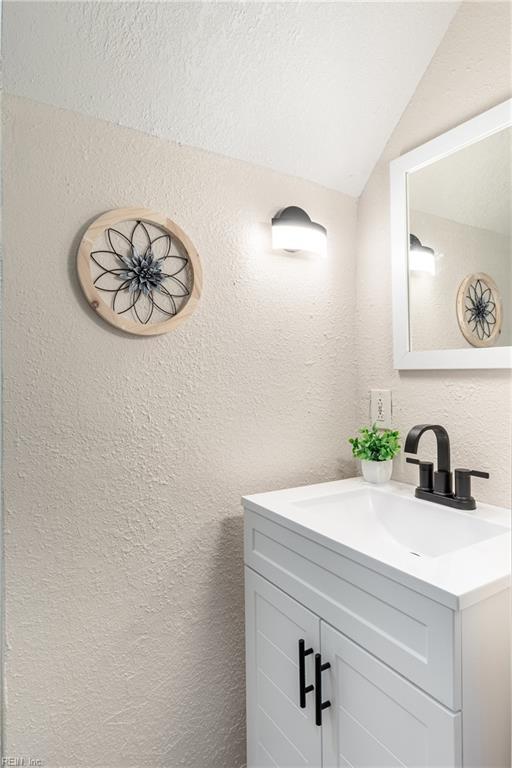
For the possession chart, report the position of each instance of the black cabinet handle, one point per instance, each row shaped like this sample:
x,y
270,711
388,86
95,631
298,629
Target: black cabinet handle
x,y
303,688
319,704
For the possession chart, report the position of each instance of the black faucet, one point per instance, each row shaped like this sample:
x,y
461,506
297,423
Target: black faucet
x,y
437,485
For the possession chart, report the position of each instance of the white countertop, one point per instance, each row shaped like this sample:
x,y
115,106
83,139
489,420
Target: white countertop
x,y
457,578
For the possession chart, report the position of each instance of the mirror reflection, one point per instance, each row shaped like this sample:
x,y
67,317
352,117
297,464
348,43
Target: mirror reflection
x,y
460,248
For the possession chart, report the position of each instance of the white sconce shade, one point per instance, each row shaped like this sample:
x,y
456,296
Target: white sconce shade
x,y
421,257
293,230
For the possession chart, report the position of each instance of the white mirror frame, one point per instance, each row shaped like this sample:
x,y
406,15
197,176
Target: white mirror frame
x,y
492,121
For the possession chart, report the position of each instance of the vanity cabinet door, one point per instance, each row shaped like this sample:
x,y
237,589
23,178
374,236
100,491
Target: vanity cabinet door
x,y
280,734
377,718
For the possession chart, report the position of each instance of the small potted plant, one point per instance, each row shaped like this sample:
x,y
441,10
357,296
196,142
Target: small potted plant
x,y
376,448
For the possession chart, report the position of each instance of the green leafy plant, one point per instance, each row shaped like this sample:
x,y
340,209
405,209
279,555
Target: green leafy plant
x,y
375,444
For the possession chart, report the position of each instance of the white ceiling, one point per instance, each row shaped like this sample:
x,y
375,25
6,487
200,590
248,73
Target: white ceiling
x,y
471,186
311,89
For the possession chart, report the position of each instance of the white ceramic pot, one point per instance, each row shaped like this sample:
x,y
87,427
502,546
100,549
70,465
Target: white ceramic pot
x,y
377,471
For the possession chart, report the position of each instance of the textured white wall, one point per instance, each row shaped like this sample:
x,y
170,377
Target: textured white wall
x,y
125,458
469,73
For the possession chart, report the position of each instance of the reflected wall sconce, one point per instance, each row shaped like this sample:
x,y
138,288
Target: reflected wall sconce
x,y
293,230
421,257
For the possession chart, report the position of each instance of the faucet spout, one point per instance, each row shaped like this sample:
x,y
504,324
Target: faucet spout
x,y
443,443
437,486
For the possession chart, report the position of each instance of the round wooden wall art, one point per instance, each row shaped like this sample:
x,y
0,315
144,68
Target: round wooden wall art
x,y
139,271
479,310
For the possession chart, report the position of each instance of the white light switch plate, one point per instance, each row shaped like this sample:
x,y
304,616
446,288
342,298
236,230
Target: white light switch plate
x,y
380,407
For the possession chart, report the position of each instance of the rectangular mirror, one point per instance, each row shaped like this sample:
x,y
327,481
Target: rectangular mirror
x,y
451,247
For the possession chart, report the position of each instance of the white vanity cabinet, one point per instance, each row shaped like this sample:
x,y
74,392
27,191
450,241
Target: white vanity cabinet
x,y
404,680
376,718
280,732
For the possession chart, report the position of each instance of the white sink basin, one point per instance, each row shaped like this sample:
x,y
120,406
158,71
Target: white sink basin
x,y
421,528
455,557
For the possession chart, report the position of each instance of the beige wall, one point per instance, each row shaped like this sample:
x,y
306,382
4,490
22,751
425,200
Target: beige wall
x,y
125,458
469,73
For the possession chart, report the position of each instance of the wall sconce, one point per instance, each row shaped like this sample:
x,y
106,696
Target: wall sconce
x,y
293,230
421,257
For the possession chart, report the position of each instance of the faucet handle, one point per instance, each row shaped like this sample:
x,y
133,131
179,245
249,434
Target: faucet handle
x,y
426,473
463,481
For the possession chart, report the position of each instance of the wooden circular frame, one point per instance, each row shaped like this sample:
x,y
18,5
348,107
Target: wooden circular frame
x,y
93,296
461,309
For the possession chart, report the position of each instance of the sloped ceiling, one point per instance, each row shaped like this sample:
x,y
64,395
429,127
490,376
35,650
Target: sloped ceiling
x,y
310,89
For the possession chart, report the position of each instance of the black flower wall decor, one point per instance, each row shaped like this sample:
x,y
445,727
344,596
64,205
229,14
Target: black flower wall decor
x,y
479,310
139,271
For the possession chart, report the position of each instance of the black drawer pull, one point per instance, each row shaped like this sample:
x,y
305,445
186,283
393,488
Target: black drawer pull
x,y
319,704
303,688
